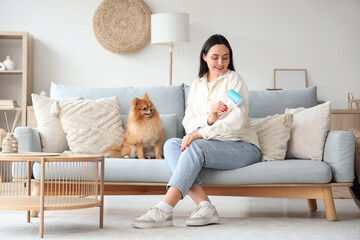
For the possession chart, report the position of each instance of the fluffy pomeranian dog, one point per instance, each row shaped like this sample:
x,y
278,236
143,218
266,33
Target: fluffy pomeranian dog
x,y
144,133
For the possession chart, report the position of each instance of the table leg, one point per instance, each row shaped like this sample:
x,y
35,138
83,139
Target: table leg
x,y
42,197
102,193
36,192
28,187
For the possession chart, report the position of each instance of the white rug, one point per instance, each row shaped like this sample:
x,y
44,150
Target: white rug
x,y
241,218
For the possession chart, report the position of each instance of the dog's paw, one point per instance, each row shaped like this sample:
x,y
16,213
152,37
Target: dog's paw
x,y
126,156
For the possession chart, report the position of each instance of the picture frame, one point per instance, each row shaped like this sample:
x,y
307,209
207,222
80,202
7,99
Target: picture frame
x,y
290,78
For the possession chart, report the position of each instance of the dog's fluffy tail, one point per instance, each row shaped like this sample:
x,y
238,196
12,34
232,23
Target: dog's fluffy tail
x,y
114,151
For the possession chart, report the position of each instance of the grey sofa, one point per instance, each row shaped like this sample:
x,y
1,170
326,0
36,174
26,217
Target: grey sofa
x,y
290,178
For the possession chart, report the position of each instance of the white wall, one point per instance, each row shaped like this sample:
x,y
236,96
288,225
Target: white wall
x,y
322,36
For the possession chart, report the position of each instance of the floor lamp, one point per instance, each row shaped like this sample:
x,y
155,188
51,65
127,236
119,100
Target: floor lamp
x,y
170,29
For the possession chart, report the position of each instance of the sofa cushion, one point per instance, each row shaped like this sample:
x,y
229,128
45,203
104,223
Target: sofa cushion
x,y
308,132
29,139
90,125
264,103
167,99
273,133
186,93
339,155
169,122
275,172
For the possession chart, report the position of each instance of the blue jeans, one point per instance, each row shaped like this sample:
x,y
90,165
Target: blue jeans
x,y
215,154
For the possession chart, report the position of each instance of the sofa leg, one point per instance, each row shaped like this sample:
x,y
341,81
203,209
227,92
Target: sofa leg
x,y
329,204
312,205
35,192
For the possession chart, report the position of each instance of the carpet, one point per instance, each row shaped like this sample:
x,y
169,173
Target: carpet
x,y
241,218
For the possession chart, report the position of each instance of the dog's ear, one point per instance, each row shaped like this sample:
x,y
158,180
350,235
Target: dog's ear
x,y
134,102
145,96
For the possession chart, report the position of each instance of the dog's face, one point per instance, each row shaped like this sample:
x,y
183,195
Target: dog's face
x,y
143,107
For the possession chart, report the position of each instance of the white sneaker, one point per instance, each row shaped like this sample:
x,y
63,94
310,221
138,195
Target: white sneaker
x,y
203,215
154,218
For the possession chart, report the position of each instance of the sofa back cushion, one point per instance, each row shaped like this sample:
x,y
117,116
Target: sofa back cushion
x,y
263,103
167,99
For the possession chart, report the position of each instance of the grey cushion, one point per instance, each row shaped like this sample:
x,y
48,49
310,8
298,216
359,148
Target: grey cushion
x,y
339,155
287,171
264,103
28,139
273,172
167,99
186,93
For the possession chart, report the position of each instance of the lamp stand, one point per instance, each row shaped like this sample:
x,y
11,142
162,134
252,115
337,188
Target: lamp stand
x,y
171,57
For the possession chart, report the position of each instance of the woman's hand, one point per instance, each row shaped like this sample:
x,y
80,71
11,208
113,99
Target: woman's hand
x,y
188,139
217,108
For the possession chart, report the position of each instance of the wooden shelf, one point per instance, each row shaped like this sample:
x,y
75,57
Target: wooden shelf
x,y
32,203
12,35
346,111
9,109
345,119
12,72
26,46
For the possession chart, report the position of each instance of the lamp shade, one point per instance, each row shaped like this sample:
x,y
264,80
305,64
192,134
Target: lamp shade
x,y
169,28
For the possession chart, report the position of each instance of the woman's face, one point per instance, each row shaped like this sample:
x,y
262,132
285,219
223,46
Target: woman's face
x,y
217,59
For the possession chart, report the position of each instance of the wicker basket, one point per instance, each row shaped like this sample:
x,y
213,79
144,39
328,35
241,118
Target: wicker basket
x,y
122,26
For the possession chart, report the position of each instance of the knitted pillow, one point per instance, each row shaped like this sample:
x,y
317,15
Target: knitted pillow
x,y
90,125
273,134
53,138
309,131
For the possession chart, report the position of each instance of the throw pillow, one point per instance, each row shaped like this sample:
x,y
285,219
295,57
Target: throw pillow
x,y
53,137
90,125
273,133
309,131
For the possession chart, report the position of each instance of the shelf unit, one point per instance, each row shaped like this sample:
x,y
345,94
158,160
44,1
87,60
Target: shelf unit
x,y
345,119
26,73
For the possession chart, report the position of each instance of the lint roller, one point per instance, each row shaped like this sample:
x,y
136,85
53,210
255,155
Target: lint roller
x,y
233,99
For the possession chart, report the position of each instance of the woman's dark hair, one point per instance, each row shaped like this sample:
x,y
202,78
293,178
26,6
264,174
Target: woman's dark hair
x,y
213,40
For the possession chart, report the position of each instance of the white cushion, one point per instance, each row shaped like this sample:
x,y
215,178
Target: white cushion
x,y
90,125
273,134
309,131
53,138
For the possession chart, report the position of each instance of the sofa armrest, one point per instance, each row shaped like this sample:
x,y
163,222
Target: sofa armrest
x,y
28,138
339,155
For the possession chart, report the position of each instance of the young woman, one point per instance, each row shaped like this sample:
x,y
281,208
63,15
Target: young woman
x,y
217,137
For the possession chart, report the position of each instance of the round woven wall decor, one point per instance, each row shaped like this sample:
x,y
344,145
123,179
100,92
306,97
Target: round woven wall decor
x,y
122,26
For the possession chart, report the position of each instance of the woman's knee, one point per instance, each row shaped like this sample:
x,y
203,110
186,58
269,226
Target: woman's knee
x,y
172,146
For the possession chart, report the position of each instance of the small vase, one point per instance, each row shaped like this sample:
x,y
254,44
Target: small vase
x,y
10,144
9,64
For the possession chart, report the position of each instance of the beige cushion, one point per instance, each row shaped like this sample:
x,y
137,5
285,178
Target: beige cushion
x,y
90,125
273,133
53,138
2,135
309,131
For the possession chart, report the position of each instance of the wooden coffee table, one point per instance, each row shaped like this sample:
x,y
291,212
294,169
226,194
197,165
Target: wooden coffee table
x,y
68,181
